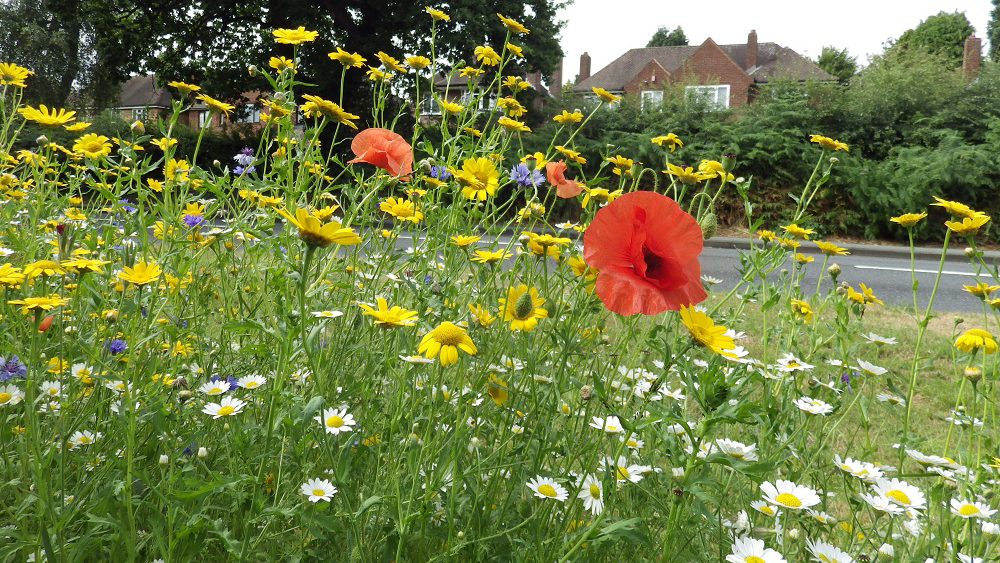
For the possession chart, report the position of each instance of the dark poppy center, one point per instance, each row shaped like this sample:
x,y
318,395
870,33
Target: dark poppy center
x,y
663,272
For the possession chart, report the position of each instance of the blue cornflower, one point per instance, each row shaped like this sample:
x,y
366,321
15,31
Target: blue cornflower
x,y
192,221
115,346
525,177
245,157
240,171
12,368
440,172
127,206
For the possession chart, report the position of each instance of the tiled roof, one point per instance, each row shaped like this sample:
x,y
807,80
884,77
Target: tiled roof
x,y
772,60
141,91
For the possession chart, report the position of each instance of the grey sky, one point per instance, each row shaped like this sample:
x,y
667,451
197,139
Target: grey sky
x,y
606,29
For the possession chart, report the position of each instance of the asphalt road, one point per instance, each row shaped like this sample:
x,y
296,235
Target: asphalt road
x,y
886,270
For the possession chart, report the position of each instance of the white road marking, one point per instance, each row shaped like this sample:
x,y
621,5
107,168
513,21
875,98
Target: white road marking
x,y
969,274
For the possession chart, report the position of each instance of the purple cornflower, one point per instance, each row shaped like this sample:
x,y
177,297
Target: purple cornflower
x,y
239,170
440,172
9,369
192,221
525,177
232,381
116,346
245,157
846,378
126,206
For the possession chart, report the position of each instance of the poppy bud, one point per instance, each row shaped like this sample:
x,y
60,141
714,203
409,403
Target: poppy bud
x,y
45,324
709,225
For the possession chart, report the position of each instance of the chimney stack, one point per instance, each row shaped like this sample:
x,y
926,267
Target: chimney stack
x,y
972,58
751,50
555,81
584,68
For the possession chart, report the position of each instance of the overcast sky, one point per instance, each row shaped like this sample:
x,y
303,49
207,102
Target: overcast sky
x,y
605,30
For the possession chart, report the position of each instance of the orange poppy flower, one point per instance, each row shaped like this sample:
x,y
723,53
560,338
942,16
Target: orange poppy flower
x,y
645,249
555,173
384,149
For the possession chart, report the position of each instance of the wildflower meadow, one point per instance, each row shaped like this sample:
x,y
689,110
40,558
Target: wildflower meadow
x,y
411,354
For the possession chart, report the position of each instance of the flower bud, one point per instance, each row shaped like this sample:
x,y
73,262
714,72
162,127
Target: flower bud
x,y
886,551
164,459
794,533
586,392
70,329
524,306
460,534
973,374
969,252
137,126
216,163
45,324
202,452
42,140
959,320
425,166
252,70
834,160
184,395
709,226
279,96
728,162
179,383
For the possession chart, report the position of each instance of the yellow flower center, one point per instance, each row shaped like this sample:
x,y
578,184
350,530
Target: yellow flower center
x,y
334,422
214,390
753,559
4,397
612,428
53,391
250,384
319,492
449,334
595,491
898,496
547,490
968,510
789,500
84,439
622,473
226,411
767,510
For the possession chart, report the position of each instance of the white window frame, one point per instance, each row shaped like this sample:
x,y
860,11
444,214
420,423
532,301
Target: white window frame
x,y
652,97
203,118
140,114
715,95
251,116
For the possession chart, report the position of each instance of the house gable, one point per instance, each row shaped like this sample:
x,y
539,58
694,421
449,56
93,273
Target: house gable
x,y
652,77
709,64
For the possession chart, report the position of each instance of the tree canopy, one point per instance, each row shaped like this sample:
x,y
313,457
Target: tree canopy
x,y
213,42
993,31
666,38
942,34
837,62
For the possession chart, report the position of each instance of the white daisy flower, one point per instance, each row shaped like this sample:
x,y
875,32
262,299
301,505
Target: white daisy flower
x,y
545,487
676,395
927,460
611,424
821,517
737,450
632,442
752,550
971,509
251,381
969,558
626,471
764,508
891,398
10,395
813,406
709,280
878,340
882,504
318,489
827,553
117,385
51,389
991,529
789,363
227,407
335,421
789,495
859,469
901,493
870,369
217,387
592,494
416,360
82,438
327,314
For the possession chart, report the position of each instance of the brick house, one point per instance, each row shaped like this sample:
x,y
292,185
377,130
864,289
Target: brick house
x,y
141,99
726,76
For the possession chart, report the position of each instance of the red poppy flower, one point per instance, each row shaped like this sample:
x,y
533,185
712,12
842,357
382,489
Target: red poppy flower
x,y
555,173
385,149
645,249
45,324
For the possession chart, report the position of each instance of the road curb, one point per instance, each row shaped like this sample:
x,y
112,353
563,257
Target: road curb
x,y
868,250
